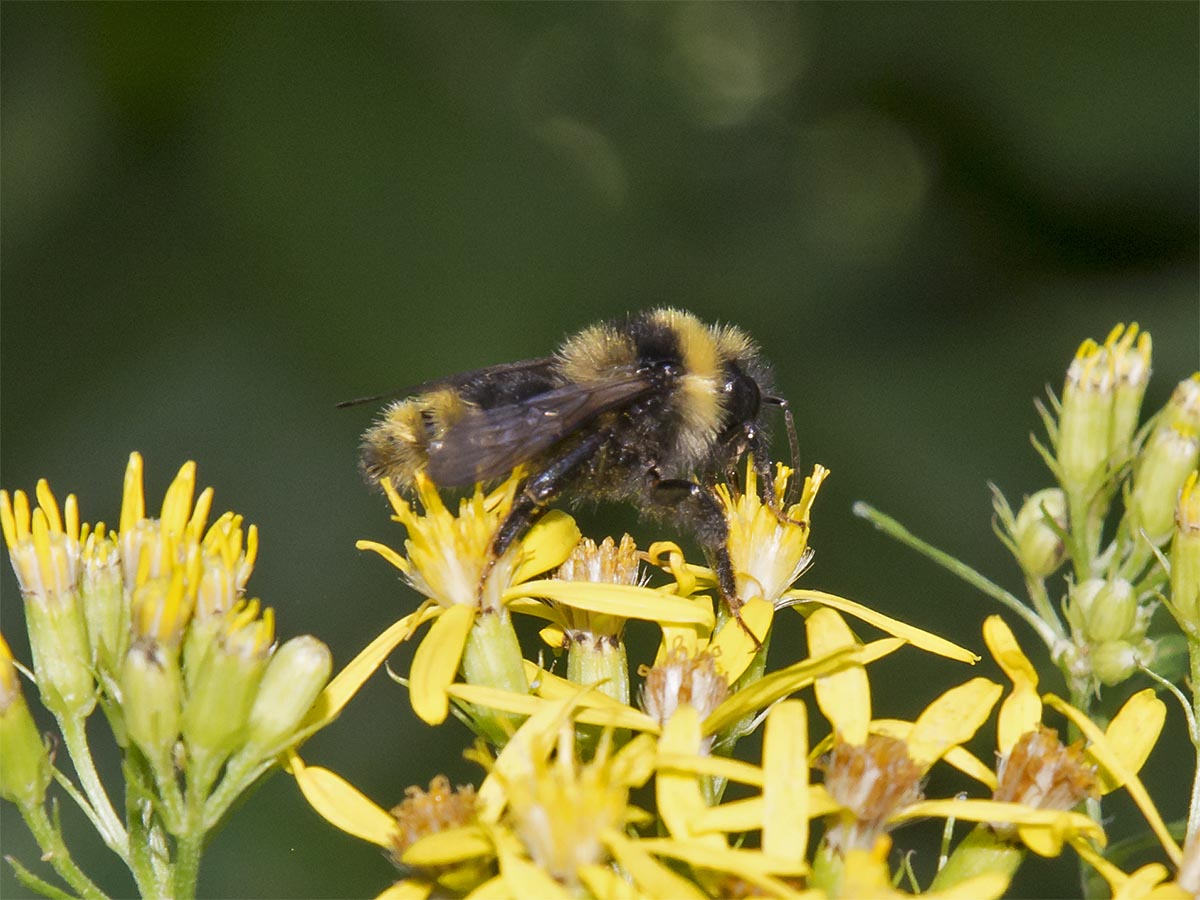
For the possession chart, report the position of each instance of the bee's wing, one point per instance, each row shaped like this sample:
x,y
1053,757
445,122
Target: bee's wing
x,y
488,442
486,374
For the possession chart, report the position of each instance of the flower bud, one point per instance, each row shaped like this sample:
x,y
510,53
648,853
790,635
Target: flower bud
x,y
45,556
1110,613
1164,463
218,705
1185,558
105,603
1086,419
1101,611
1114,661
294,677
1039,548
24,764
151,696
1183,409
1131,364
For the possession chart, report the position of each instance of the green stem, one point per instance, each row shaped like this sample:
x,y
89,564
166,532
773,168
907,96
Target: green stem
x,y
150,873
74,732
54,850
1080,547
1042,604
187,865
189,844
894,529
35,884
1193,821
240,775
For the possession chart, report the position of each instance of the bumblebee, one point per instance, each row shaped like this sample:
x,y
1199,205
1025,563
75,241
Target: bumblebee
x,y
650,409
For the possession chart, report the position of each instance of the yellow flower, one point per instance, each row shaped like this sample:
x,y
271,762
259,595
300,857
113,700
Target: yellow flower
x,y
768,553
874,769
1116,754
448,558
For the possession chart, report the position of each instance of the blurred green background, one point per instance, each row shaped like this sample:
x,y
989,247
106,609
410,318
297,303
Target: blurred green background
x,y
219,220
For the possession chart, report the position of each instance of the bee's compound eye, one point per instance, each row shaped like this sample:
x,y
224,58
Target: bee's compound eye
x,y
742,399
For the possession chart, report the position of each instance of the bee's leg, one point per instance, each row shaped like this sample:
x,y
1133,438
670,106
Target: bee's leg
x,y
535,495
793,444
711,531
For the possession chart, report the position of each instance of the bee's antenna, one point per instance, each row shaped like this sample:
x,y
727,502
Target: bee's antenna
x,y
793,444
357,401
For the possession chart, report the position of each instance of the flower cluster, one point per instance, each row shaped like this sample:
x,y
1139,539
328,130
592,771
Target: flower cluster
x,y
1122,525
151,624
588,793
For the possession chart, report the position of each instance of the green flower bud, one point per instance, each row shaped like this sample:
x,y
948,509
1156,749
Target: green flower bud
x,y
1086,419
1183,409
294,677
44,552
24,763
1080,601
1112,613
1185,559
1131,362
223,690
151,697
105,603
1114,661
1039,548
1163,465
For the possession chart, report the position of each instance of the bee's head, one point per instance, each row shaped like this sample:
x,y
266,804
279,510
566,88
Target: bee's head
x,y
742,401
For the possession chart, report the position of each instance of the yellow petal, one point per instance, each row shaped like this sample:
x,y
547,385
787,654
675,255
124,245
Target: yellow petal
x,y
952,719
648,874
1143,884
733,646
913,635
347,682
529,746
625,600
785,781
1046,829
617,716
680,800
1133,733
753,865
555,687
524,879
748,814
717,766
436,662
536,608
1021,711
553,636
493,889
686,576
454,845
990,886
844,697
602,881
341,804
731,817
546,546
408,889
1110,761
387,553
634,763
762,693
